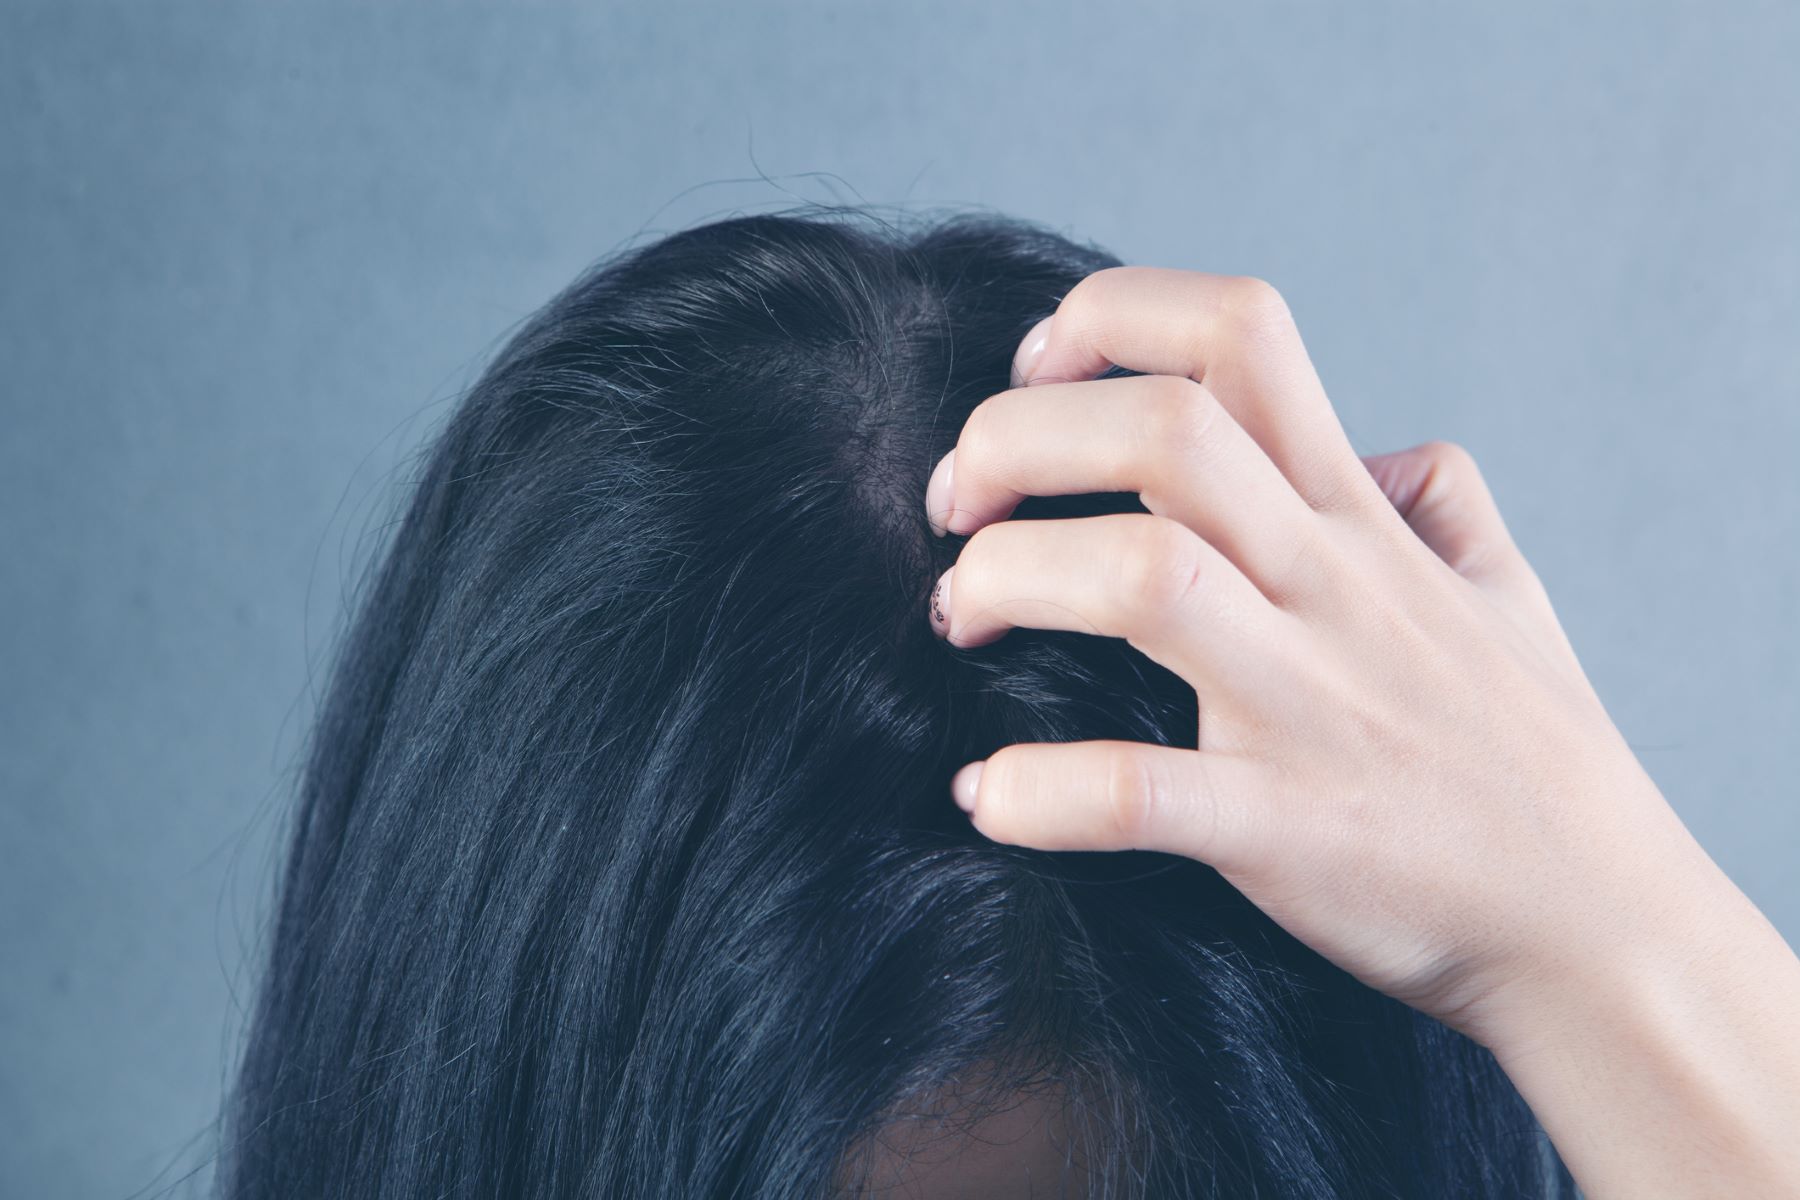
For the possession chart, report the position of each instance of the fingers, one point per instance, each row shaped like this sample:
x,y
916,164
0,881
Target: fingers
x,y
1121,795
1136,576
1164,437
1232,333
1439,490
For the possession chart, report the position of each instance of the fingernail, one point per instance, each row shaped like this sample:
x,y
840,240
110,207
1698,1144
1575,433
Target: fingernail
x,y
938,495
1031,349
963,785
940,604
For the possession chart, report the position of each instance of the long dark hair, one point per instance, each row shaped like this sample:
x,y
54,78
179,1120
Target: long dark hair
x,y
624,863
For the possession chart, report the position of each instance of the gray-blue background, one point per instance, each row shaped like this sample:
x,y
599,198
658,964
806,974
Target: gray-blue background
x,y
248,254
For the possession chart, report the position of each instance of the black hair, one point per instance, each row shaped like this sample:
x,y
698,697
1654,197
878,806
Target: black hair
x,y
624,863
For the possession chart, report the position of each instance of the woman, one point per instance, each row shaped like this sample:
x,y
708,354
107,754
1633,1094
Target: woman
x,y
623,864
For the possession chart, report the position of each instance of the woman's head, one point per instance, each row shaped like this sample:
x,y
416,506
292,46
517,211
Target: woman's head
x,y
624,863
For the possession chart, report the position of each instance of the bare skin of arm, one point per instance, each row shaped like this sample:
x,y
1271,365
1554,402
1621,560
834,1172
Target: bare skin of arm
x,y
1399,757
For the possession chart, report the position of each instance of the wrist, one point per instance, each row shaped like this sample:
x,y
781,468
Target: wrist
x,y
1645,923
1663,1058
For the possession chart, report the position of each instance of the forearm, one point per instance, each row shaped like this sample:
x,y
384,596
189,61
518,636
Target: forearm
x,y
1669,1064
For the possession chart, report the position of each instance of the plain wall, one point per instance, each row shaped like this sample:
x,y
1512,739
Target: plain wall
x,y
249,253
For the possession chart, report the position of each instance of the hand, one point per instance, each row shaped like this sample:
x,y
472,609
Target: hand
x,y
1399,758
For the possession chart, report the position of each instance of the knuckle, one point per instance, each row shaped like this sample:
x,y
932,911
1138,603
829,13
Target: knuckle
x,y
1450,461
975,564
1255,308
1161,567
1106,279
980,441
1088,295
1002,778
1136,795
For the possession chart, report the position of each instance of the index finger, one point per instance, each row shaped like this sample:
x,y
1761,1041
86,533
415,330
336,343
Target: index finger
x,y
1232,333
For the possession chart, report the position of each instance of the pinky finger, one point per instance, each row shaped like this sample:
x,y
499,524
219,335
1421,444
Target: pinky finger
x,y
1121,795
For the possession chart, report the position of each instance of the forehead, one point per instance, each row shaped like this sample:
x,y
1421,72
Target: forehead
x,y
1019,1145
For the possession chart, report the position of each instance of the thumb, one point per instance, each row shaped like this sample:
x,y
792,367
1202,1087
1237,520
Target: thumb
x,y
1438,489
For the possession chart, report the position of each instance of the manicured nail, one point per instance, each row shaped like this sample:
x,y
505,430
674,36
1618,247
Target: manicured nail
x,y
938,495
1030,350
963,785
940,604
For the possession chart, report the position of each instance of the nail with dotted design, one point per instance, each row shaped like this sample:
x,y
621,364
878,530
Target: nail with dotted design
x,y
940,604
